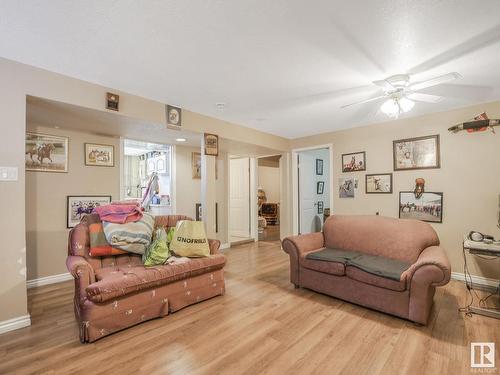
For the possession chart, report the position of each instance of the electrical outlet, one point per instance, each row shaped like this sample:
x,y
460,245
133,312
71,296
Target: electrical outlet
x,y
8,173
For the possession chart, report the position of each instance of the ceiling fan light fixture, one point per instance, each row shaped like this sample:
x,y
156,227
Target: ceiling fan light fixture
x,y
390,107
406,104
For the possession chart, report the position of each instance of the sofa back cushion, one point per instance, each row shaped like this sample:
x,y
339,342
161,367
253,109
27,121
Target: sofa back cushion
x,y
79,243
401,239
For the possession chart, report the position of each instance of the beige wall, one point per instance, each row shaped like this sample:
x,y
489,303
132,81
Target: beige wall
x,y
469,175
269,181
46,233
18,81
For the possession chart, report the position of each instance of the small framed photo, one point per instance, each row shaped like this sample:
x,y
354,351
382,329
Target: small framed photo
x,y
79,206
112,101
174,116
196,165
354,162
416,153
97,155
320,187
46,153
346,187
320,207
211,144
378,183
319,167
429,207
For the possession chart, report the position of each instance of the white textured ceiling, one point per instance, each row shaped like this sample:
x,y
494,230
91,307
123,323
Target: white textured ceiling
x,y
282,66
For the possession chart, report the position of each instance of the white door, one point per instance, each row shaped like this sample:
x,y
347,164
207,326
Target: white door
x,y
239,197
307,194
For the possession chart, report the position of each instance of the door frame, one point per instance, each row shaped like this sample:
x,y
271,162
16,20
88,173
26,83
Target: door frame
x,y
295,181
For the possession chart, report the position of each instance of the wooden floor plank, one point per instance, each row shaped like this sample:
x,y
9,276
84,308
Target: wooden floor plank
x,y
262,325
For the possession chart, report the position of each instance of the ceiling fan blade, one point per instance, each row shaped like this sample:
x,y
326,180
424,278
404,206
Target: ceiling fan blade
x,y
427,98
365,101
384,84
434,81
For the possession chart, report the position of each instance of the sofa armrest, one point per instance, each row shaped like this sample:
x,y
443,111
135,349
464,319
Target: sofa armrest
x,y
214,246
432,267
83,273
297,246
303,244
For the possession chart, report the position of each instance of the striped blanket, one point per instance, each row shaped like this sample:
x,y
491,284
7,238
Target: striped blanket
x,y
133,237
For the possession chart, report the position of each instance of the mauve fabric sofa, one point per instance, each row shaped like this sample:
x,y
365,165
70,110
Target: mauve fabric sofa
x,y
116,292
356,259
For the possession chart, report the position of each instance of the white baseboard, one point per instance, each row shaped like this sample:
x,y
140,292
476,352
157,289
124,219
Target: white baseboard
x,y
476,280
15,323
224,246
49,280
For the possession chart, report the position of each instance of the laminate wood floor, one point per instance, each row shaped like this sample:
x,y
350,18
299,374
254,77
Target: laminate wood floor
x,y
262,325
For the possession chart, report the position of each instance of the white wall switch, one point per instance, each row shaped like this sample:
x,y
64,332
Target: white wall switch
x,y
8,173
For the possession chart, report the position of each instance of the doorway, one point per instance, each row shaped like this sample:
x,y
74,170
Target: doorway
x,y
140,161
312,184
239,200
268,195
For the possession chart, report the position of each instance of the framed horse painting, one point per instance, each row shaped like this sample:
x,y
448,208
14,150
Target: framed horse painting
x,y
79,206
46,153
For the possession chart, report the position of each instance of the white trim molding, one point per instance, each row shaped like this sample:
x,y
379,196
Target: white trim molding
x,y
225,246
15,323
477,280
48,280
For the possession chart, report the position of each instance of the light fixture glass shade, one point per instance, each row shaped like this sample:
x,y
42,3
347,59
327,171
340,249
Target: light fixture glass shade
x,y
406,104
390,107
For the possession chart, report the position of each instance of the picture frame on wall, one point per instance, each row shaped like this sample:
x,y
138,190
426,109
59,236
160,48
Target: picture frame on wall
x,y
320,207
354,162
112,101
416,153
174,116
429,207
77,206
97,155
320,187
211,144
196,165
319,167
380,183
198,212
346,187
46,153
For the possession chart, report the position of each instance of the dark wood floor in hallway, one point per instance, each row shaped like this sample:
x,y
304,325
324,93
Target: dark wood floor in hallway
x,y
262,325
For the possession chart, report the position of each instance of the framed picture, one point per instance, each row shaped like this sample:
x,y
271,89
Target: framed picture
x,y
320,207
196,165
354,162
97,155
320,187
416,153
319,167
79,206
346,187
378,183
46,153
198,212
211,144
112,101
174,116
429,207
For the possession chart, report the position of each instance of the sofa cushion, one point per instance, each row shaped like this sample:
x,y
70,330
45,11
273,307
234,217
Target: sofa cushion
x,y
369,278
122,280
380,266
332,255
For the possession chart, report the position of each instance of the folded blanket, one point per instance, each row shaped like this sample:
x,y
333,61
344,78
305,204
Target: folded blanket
x,y
99,246
119,213
133,237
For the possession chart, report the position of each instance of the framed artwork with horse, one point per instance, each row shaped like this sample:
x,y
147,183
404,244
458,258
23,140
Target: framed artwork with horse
x,y
79,206
46,153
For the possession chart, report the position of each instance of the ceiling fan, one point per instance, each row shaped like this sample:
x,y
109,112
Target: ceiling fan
x,y
401,94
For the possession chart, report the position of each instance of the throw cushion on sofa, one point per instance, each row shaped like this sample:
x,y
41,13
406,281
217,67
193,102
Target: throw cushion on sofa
x,y
99,246
374,264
